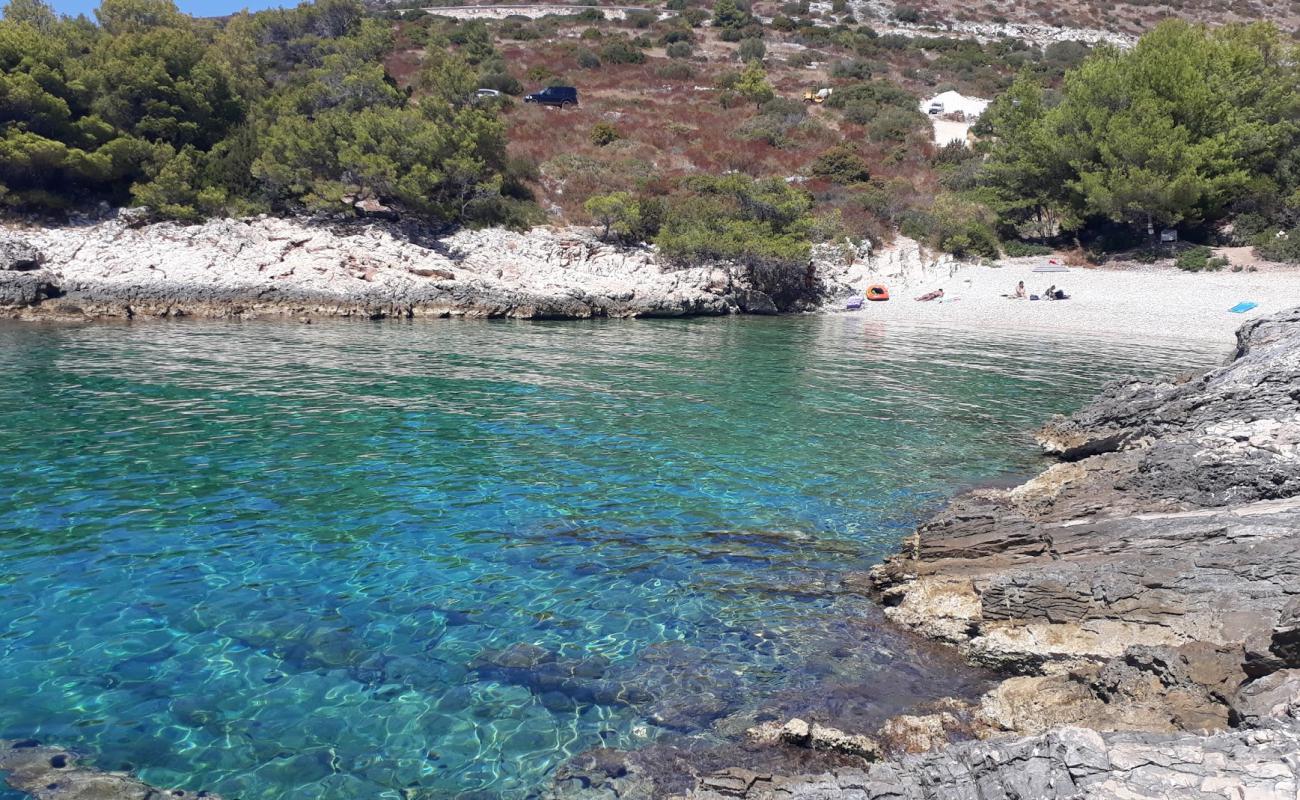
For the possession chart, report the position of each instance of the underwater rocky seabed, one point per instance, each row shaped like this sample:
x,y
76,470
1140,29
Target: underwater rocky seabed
x,y
430,559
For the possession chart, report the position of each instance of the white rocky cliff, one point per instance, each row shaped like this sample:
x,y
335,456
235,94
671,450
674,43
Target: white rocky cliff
x,y
124,267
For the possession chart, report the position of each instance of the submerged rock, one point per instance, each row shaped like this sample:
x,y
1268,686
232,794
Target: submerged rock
x,y
51,773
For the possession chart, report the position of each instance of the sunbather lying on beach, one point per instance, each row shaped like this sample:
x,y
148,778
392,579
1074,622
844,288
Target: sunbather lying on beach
x,y
935,295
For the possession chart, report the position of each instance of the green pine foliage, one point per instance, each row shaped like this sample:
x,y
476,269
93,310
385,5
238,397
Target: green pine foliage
x,y
1189,125
764,226
283,110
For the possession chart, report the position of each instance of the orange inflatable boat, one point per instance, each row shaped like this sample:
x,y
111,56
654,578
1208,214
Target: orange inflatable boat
x,y
877,292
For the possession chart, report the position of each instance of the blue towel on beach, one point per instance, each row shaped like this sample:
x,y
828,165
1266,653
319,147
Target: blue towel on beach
x,y
1242,307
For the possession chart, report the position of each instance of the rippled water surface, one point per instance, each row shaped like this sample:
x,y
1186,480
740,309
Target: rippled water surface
x,y
392,560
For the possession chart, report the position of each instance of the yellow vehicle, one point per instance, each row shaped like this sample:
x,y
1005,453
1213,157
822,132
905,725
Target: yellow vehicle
x,y
818,96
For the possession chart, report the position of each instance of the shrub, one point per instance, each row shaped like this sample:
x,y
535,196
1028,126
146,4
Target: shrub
x,y
621,51
680,50
778,117
1279,248
842,165
506,84
751,50
675,71
1200,259
603,133
640,19
955,225
862,102
615,212
761,226
1018,249
855,68
908,14
627,218
588,60
730,16
695,17
894,125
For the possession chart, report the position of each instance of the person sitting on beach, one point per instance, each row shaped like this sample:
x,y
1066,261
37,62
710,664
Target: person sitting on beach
x,y
1050,294
935,295
1019,294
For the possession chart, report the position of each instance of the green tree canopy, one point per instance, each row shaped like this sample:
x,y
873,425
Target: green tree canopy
x,y
1173,131
282,109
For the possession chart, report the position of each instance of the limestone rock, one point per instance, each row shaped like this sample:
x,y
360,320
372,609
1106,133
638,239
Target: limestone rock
x,y
127,266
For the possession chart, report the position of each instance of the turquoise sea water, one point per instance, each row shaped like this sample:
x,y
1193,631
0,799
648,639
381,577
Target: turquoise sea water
x,y
394,560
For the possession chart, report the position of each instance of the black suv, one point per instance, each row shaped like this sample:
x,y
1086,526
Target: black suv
x,y
561,96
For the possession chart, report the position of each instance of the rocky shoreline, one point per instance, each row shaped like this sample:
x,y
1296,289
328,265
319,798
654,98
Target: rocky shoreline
x,y
1141,597
125,267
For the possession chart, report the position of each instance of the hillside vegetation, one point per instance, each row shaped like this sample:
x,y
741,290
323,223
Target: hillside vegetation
x,y
692,131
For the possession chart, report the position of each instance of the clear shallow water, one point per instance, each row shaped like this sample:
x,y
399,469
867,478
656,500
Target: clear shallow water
x,y
276,560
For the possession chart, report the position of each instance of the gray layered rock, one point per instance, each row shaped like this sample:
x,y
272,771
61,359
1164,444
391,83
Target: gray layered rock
x,y
1174,519
26,289
17,255
1069,762
51,773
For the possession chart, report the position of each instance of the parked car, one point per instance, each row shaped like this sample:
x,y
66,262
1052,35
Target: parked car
x,y
562,96
936,108
487,94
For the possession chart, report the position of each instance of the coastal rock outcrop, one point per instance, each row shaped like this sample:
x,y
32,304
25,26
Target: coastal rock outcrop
x,y
126,266
1068,762
121,267
1172,522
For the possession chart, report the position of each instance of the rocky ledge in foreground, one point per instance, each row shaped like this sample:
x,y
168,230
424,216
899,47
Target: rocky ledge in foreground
x,y
51,773
1142,595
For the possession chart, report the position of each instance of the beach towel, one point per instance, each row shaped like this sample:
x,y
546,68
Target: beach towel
x,y
1242,307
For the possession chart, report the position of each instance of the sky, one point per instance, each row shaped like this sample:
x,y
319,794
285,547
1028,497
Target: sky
x,y
199,8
